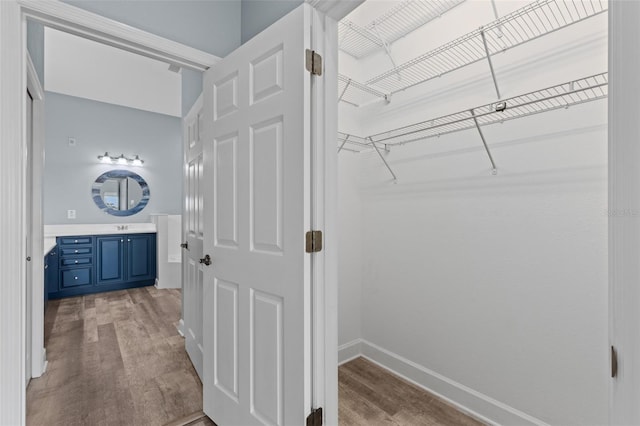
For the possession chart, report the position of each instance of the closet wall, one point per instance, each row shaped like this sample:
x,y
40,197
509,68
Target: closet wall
x,y
490,290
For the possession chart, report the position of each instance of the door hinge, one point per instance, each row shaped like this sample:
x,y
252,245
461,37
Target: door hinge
x,y
315,418
314,241
614,362
313,61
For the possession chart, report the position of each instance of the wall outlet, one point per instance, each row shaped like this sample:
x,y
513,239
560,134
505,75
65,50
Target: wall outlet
x,y
71,214
72,141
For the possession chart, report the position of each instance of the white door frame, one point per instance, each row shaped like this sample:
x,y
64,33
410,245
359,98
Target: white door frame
x,y
624,210
38,354
13,81
14,78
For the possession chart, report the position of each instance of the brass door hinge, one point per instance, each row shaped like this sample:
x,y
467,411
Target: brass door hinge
x,y
313,62
614,362
315,418
314,241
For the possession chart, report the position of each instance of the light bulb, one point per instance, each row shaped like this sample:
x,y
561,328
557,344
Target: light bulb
x,y
137,161
105,158
122,159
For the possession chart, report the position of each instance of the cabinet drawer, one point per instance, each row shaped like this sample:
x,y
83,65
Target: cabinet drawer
x,y
75,240
78,261
74,251
76,277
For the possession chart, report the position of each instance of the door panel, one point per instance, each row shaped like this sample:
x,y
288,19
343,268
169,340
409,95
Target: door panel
x,y
110,262
256,291
194,234
141,257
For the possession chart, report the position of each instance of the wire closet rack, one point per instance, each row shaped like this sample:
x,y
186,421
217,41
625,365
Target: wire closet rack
x,y
525,24
560,96
357,94
404,18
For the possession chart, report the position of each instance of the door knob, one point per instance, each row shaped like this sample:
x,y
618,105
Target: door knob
x,y
185,245
206,260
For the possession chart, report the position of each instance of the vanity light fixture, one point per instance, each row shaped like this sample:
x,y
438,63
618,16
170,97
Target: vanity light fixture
x,y
122,160
125,161
105,158
137,161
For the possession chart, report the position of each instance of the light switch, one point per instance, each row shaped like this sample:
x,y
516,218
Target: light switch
x,y
71,214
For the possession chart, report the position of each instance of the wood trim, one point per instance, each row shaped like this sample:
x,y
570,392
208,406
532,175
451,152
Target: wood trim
x,y
74,20
12,244
624,210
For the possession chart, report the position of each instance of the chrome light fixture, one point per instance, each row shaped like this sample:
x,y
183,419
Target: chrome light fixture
x,y
125,161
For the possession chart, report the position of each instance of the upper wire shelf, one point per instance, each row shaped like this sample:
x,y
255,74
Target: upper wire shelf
x,y
525,24
555,97
355,93
401,20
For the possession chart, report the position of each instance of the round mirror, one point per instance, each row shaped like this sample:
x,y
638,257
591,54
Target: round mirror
x,y
120,192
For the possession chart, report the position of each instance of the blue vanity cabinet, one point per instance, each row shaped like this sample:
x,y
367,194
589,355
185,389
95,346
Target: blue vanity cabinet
x,y
141,257
110,261
94,264
75,262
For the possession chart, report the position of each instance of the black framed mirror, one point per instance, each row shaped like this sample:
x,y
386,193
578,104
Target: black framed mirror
x,y
120,192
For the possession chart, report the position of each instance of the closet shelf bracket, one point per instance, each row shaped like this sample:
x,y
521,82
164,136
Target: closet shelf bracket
x,y
494,170
493,74
395,179
346,139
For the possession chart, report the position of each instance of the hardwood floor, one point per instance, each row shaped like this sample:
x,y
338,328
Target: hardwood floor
x,y
370,395
114,359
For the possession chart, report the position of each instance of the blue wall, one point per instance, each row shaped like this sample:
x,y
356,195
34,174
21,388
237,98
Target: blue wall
x,y
259,14
99,127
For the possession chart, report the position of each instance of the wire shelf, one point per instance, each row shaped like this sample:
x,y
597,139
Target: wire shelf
x,y
353,143
525,24
401,20
556,97
356,94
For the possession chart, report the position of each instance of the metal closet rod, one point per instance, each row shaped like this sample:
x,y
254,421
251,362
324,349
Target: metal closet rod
x,y
554,97
525,24
519,102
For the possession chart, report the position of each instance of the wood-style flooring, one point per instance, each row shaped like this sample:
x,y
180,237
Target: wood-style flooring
x,y
115,358
370,395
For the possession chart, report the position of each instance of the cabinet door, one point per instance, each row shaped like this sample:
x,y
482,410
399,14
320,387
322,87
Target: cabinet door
x,y
141,257
110,260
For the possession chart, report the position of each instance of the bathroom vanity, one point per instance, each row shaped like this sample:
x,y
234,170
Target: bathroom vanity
x,y
96,258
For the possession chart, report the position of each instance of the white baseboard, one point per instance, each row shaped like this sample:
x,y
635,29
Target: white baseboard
x,y
349,351
467,400
181,327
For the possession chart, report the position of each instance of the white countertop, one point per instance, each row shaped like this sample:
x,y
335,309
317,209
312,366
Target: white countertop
x,y
53,231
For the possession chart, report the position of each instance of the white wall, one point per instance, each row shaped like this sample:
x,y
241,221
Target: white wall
x,y
491,290
350,243
87,69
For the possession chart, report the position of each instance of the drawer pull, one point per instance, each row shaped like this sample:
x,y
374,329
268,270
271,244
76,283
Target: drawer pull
x,y
76,251
75,241
75,278
76,261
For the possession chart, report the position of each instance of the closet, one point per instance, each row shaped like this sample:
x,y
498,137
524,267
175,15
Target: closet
x,y
472,154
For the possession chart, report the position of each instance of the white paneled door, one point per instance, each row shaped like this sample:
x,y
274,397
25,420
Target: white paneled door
x,y
257,197
192,269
